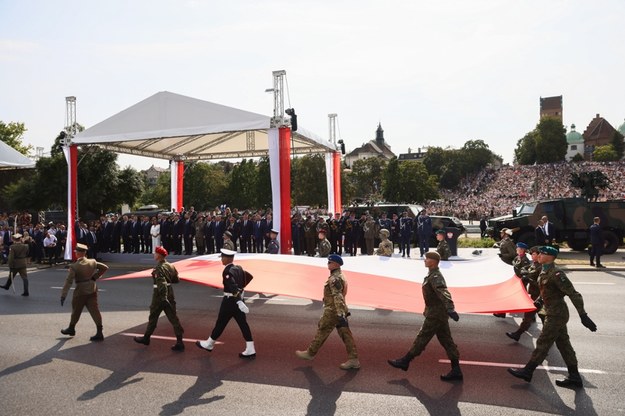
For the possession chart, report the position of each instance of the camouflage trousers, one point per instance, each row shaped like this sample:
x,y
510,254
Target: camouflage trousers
x,y
170,311
327,323
554,330
440,328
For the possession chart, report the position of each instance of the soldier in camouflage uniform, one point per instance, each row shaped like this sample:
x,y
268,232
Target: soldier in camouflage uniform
x,y
335,315
507,249
386,245
439,307
324,245
554,285
228,243
273,247
442,248
84,272
163,300
529,276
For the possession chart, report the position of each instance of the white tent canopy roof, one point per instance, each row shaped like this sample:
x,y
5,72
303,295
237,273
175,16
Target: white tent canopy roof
x,y
12,159
172,126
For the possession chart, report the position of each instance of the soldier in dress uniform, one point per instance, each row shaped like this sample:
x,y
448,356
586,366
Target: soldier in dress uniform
x,y
439,307
84,272
228,244
273,247
336,234
232,306
163,300
442,248
507,249
386,246
529,276
324,246
335,315
18,260
554,285
370,231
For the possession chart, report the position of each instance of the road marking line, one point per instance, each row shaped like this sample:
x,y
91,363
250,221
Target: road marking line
x,y
542,367
595,283
130,334
72,288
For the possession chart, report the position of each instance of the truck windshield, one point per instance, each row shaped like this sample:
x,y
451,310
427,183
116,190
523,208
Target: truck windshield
x,y
526,209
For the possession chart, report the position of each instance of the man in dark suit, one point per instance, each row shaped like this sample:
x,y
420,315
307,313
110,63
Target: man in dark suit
x,y
117,232
147,237
539,234
178,234
209,234
219,230
246,233
137,234
127,234
189,233
550,231
596,243
257,230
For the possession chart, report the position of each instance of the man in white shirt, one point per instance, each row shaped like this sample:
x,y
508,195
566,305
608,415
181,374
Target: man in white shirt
x,y
49,246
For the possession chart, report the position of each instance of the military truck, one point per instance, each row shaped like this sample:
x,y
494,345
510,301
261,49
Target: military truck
x,y
572,218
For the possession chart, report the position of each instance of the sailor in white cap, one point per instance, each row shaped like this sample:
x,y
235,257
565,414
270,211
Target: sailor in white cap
x,y
232,305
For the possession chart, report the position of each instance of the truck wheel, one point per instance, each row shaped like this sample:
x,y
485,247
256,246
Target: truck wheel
x,y
528,238
578,245
611,242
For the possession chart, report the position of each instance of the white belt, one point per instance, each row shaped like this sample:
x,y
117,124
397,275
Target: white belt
x,y
155,286
229,295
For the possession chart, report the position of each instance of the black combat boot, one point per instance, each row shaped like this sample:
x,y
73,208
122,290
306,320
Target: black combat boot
x,y
525,373
499,315
69,331
7,285
402,363
514,335
573,380
25,288
179,345
454,374
142,340
98,335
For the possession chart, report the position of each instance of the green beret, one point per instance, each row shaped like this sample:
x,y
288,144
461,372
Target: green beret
x,y
440,232
550,251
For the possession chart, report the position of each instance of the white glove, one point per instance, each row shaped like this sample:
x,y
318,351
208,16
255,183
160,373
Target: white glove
x,y
242,306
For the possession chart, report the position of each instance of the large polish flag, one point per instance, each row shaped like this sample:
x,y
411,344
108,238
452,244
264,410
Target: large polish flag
x,y
477,285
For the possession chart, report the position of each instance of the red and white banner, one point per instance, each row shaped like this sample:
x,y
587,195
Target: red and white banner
x,y
478,285
280,170
176,170
71,156
333,178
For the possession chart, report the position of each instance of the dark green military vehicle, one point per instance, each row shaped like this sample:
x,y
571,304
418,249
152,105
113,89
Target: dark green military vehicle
x,y
572,218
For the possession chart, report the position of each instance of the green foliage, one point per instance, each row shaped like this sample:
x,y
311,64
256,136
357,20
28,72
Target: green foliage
x,y
434,160
525,152
468,242
158,194
263,197
308,180
604,154
367,176
392,181
551,142
417,185
242,190
618,144
12,134
577,158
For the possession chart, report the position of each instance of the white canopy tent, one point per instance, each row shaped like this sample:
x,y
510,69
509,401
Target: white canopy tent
x,y
176,127
12,159
180,128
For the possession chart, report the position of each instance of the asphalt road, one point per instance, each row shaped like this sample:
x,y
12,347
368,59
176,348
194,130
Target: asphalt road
x,y
45,373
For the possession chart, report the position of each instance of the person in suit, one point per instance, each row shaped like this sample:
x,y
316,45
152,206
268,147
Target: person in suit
x,y
146,227
596,243
209,234
245,237
539,233
189,233
92,243
127,234
257,228
219,230
178,234
551,231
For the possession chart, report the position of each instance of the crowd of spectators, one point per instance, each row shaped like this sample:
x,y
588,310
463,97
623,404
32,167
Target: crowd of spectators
x,y
494,192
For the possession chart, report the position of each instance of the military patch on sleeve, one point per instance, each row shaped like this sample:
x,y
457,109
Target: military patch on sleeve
x,y
562,277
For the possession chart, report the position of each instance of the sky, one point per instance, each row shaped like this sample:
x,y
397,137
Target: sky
x,y
433,73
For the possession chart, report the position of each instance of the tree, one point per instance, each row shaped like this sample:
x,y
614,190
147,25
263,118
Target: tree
x,y
525,152
391,184
263,190
551,142
12,134
417,185
476,156
242,188
434,160
604,153
367,176
308,180
205,186
617,144
158,194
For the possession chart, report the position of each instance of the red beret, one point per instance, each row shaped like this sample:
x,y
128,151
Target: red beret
x,y
161,251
